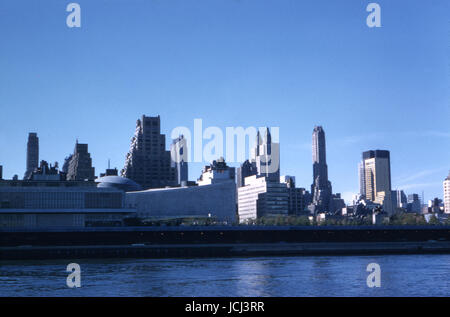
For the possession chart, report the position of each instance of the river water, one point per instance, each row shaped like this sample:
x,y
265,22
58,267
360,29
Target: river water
x,y
401,275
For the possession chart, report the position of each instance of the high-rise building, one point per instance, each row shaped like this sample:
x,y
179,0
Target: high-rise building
x,y
447,194
321,190
32,154
179,158
377,169
147,162
267,156
80,164
1,172
362,179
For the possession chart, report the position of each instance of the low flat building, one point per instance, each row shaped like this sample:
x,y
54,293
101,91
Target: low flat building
x,y
216,200
59,206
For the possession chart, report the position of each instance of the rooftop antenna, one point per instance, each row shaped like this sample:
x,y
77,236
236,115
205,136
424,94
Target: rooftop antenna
x,y
109,164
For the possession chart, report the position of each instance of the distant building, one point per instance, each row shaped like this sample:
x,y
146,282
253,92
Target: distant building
x,y
447,194
414,204
179,159
47,172
261,196
32,154
377,170
267,156
1,172
321,189
299,198
399,199
248,168
217,172
80,164
362,179
147,162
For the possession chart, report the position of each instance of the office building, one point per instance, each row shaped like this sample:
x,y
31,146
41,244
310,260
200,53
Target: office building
x,y
377,169
399,199
32,154
248,168
321,190
362,179
80,164
261,196
414,204
299,198
1,172
147,162
447,194
179,160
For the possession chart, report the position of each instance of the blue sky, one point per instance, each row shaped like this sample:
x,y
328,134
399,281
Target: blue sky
x,y
290,64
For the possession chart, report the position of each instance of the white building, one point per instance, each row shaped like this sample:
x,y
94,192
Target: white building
x,y
447,194
261,197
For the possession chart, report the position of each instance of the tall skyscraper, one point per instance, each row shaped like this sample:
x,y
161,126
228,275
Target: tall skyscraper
x,y
362,179
80,164
321,190
267,156
179,156
447,194
377,169
147,162
1,172
32,154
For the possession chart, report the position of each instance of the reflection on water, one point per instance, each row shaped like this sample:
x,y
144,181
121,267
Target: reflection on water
x,y
401,275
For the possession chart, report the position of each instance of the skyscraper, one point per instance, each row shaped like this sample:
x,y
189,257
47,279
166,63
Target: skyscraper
x,y
32,154
179,156
321,190
80,164
377,170
447,194
362,179
147,162
267,156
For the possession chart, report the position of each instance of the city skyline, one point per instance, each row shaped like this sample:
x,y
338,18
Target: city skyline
x,y
381,88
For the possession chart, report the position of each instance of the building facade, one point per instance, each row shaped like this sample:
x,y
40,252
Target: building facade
x,y
32,154
216,201
447,194
80,164
261,197
53,204
147,162
321,190
179,160
377,170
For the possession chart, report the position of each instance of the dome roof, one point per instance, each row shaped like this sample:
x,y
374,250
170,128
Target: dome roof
x,y
119,182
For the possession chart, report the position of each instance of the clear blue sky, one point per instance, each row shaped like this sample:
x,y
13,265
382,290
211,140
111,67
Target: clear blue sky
x,y
292,64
